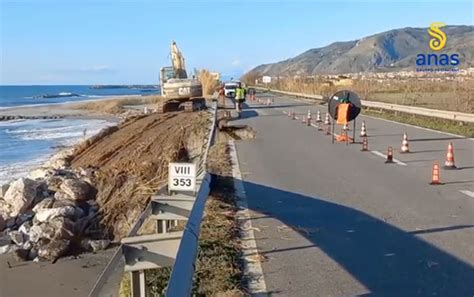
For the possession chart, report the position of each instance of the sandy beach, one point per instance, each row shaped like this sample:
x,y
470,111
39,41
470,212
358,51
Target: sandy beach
x,y
109,108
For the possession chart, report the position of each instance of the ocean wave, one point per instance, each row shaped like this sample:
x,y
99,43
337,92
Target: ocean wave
x,y
13,171
41,138
45,130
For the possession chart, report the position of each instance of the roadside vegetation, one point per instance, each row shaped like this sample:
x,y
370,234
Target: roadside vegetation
x,y
444,94
209,82
219,268
455,127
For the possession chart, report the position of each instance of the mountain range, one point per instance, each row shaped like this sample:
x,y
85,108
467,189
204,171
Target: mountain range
x,y
393,50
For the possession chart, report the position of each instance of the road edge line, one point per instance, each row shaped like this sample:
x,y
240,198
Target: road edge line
x,y
253,272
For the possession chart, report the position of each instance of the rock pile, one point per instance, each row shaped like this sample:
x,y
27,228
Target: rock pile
x,y
19,117
50,214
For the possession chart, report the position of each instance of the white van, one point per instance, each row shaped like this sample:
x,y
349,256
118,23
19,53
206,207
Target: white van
x,y
229,88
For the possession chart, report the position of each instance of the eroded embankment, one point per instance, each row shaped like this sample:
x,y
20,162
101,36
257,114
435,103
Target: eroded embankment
x,y
130,164
91,194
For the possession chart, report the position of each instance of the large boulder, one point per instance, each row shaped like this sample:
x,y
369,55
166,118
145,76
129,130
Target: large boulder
x,y
57,228
54,250
5,210
25,227
18,237
40,231
44,204
64,227
7,248
60,196
53,182
47,214
21,194
3,224
3,190
24,217
60,160
98,245
77,189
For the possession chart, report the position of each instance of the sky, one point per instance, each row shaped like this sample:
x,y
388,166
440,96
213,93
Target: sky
x,y
126,42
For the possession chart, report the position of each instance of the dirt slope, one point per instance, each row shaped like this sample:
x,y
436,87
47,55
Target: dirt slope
x,y
129,164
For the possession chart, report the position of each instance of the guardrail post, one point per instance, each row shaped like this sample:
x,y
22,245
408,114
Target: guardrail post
x,y
162,226
138,283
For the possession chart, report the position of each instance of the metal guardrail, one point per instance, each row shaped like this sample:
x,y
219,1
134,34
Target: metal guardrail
x,y
442,114
181,280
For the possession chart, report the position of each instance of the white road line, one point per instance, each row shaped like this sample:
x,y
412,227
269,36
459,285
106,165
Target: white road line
x,y
252,267
468,193
384,156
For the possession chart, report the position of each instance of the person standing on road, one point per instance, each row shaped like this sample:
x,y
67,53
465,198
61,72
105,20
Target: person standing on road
x,y
222,95
239,97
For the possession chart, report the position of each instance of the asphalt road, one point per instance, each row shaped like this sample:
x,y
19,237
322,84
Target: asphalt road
x,y
334,221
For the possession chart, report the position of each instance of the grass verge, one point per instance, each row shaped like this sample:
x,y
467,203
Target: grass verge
x,y
218,267
455,127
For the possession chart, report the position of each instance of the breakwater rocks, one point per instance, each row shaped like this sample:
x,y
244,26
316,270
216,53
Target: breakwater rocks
x,y
51,214
19,117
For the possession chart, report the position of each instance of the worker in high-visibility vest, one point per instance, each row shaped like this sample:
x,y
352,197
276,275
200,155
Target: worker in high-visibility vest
x,y
239,97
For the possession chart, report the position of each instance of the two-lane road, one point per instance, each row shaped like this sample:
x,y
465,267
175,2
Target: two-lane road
x,y
334,221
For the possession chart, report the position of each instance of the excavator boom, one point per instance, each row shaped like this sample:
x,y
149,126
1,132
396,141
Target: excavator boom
x,y
177,59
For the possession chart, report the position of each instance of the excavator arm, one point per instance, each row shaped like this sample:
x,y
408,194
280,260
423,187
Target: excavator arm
x,y
177,60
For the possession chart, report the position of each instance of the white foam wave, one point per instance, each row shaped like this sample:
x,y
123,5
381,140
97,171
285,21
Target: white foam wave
x,y
20,169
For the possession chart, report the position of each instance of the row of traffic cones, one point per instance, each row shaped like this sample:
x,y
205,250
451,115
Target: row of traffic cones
x,y
405,148
448,164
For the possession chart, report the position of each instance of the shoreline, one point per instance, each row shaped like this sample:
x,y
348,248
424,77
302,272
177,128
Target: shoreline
x,y
62,109
57,111
112,111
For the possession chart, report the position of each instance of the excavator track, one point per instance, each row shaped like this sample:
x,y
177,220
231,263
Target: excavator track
x,y
191,105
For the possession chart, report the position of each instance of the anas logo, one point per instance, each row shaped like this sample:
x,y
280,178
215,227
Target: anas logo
x,y
433,62
438,42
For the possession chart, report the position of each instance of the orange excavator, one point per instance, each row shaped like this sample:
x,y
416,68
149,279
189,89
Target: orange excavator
x,y
179,91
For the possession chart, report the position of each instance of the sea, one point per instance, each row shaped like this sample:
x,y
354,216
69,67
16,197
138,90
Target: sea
x,y
26,144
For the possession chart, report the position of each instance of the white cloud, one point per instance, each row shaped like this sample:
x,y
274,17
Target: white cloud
x,y
236,62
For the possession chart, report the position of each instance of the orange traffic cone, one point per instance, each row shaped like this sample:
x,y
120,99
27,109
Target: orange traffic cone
x,y
363,131
365,144
404,148
449,164
293,116
308,121
389,155
289,114
435,176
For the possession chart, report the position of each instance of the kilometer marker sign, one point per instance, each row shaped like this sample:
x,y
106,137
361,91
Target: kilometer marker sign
x,y
182,177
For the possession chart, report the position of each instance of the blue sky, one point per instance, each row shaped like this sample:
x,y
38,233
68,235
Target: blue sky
x,y
106,41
